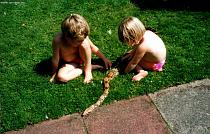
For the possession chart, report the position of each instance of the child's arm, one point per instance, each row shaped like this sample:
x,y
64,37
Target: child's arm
x,y
86,56
97,52
138,55
55,59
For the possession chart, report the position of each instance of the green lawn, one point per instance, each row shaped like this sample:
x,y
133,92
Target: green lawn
x,y
26,32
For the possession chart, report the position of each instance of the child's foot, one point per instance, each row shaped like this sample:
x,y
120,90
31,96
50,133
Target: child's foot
x,y
140,75
94,67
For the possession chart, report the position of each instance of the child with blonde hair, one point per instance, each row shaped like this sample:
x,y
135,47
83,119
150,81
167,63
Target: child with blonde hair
x,y
72,49
149,51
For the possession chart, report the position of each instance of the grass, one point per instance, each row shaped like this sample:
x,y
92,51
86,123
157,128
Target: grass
x,y
26,32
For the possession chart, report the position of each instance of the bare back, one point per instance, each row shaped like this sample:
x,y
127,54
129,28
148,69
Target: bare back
x,y
154,46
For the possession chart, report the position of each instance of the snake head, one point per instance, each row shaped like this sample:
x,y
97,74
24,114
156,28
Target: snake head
x,y
114,72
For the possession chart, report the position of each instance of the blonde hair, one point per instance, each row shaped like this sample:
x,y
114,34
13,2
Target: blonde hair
x,y
75,27
131,28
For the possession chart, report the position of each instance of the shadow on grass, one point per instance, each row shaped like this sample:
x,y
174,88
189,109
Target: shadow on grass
x,y
44,67
120,63
200,5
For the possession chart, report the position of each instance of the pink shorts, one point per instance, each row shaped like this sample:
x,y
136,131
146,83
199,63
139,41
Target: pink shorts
x,y
152,66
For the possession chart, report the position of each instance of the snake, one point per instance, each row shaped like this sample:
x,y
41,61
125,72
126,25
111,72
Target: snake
x,y
118,67
106,86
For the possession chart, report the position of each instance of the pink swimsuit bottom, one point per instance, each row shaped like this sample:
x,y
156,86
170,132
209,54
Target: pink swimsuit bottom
x,y
152,66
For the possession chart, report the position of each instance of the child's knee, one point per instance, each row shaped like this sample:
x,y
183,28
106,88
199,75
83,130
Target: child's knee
x,y
68,75
61,78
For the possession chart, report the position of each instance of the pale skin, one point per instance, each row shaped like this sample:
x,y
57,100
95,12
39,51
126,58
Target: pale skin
x,y
68,50
149,48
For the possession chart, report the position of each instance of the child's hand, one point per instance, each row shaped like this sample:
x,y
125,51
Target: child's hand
x,y
108,63
88,78
52,78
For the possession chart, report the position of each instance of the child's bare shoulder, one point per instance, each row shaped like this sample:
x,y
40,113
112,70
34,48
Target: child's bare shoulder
x,y
58,38
149,33
86,43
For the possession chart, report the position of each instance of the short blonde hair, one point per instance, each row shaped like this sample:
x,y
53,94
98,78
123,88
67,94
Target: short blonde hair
x,y
75,27
131,28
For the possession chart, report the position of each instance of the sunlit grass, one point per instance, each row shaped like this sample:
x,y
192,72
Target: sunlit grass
x,y
26,32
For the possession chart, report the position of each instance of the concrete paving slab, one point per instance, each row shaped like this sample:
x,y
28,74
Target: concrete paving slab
x,y
135,116
186,108
71,124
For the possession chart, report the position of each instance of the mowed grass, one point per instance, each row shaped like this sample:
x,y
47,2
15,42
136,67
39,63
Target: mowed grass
x,y
26,32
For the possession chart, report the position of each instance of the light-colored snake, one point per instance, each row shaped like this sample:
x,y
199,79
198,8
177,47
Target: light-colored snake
x,y
106,85
118,68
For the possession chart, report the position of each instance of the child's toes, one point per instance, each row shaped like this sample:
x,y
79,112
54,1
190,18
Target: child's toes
x,y
137,78
140,75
